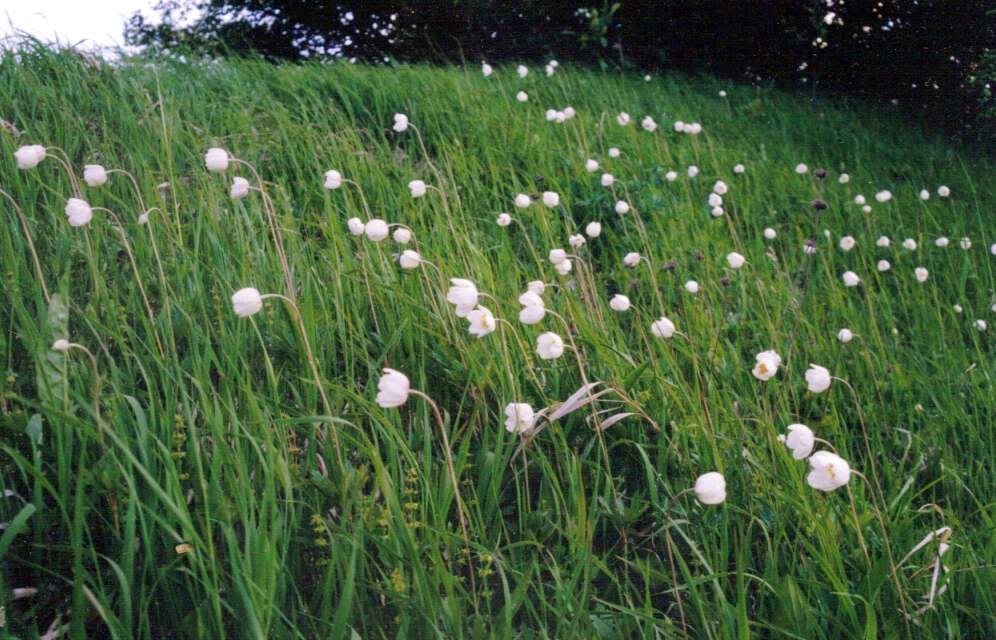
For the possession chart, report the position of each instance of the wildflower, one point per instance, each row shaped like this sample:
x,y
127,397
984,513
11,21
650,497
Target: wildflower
x,y
818,204
400,122
94,175
957,308
557,256
551,114
240,188
965,243
817,378
522,96
867,208
647,78
883,241
662,327
576,241
801,168
463,294
845,335
717,212
60,345
943,191
710,488
482,321
679,126
607,179
417,188
619,302
143,218
830,471
591,165
847,243
376,229
671,176
622,207
829,17
563,268
550,198
693,171
549,346
522,71
409,259
921,274
883,265
550,70
883,196
622,118
851,279
631,259
402,235
216,159
520,418
800,440
536,286
648,124
809,247
594,229
503,220
356,226
859,199
29,156
722,94
980,324
695,128
715,200
720,188
739,168
909,244
333,179
392,389
522,201
246,302
992,249
735,260
692,286
533,309
767,365
79,212
486,69
770,233
844,178
924,194
941,242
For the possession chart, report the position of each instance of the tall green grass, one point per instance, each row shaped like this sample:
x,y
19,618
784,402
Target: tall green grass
x,y
208,502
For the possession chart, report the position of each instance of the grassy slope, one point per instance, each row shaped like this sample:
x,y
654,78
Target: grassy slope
x,y
213,444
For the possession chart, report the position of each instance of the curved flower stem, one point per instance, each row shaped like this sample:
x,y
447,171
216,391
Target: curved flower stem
x,y
96,388
363,197
653,281
64,161
857,527
31,244
446,209
504,348
314,371
879,495
529,242
271,213
670,556
138,277
530,366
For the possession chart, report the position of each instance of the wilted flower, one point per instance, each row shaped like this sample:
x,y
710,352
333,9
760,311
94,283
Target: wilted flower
x,y
549,346
883,196
693,171
710,488
400,122
883,265
883,241
845,335
909,243
830,471
520,418
943,191
847,243
576,241
246,302
522,71
648,124
333,179
402,235
550,198
356,226
770,233
409,259
240,188
143,218
800,440
376,229
216,159
735,260
78,212
739,168
482,321
941,242
619,302
965,243
417,188
817,378
533,309
622,207
767,365
801,168
522,201
94,175
463,294
662,327
607,179
622,118
522,96
921,274
392,389
503,220
591,165
29,156
851,279
594,229
692,286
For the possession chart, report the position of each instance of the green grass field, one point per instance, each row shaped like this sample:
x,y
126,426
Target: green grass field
x,y
201,483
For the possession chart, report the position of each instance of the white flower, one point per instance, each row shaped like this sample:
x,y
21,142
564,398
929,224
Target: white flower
x,y
695,128
400,122
851,279
392,389
770,233
409,259
522,96
648,124
692,286
693,171
144,218
607,179
720,188
29,156
767,365
867,208
591,165
965,243
550,198
482,321
662,327
216,159
671,176
520,418
957,308
614,152
847,243
333,179
60,345
576,241
739,168
883,196
800,440
715,200
622,118
569,112
941,242
522,201
679,126
924,194
808,247
356,226
859,199
549,345
845,335
551,115
829,17
647,78
801,168
844,178
735,260
619,302
417,188
622,207
554,64
522,71
980,324
78,212
631,259
94,175
533,309
909,243
503,220
463,294
717,212
921,274
549,70
486,69
376,229
817,378
830,471
992,249
883,265
246,302
557,256
240,188
594,229
883,241
563,268
710,488
722,94
943,191
536,286
402,235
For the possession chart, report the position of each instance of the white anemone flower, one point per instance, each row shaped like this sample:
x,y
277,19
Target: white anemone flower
x,y
847,243
883,196
622,118
463,294
671,176
557,256
563,268
710,488
551,198
240,188
662,327
522,96
392,389
94,175
921,274
767,365
536,286
533,308
486,69
692,286
883,241
679,126
845,335
60,345
622,207
607,179
631,259
520,418
844,178
739,168
576,241
720,188
503,220
965,243
591,165
770,233
246,302
924,194
29,156
619,302
333,179
648,124
356,226
376,229
549,346
522,201
818,378
943,191
522,70
909,244
851,279
941,242
800,440
78,212
400,122
693,171
859,199
409,259
418,188
216,159
594,229
482,321
402,235
735,260
715,200
830,471
801,168
614,152
717,212
883,265
980,324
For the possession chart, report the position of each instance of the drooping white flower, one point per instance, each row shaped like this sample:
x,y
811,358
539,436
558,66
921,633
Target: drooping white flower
x,y
486,69
522,71
622,207
216,159
770,233
551,198
818,378
78,212
859,199
739,168
549,346
576,240
607,179
980,324
767,365
710,488
533,308
614,152
622,118
921,274
851,279
693,171
520,418
941,242
883,196
909,244
679,126
715,200
845,335
883,241
557,256
830,471
392,389
409,259
847,243
619,302
563,268
717,212
662,327
333,179
400,122
965,243
957,308
503,220
591,165
94,175
883,265
402,235
695,128
801,168
735,260
144,218
60,345
867,208
551,115
522,96
722,93
692,286
594,229
356,226
992,249
376,229
522,201
648,124
29,156
844,178
246,302
482,321
631,259
924,194
671,176
550,70
536,286
240,188
463,294
800,440
418,188
943,191
720,188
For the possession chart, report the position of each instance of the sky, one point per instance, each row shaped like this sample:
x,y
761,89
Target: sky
x,y
99,22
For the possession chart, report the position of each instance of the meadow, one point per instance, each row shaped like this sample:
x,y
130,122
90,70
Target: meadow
x,y
244,398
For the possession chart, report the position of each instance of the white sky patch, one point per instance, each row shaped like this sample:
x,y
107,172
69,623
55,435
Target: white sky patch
x,y
95,24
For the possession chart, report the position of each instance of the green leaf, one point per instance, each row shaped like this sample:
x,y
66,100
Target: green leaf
x,y
16,526
34,429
